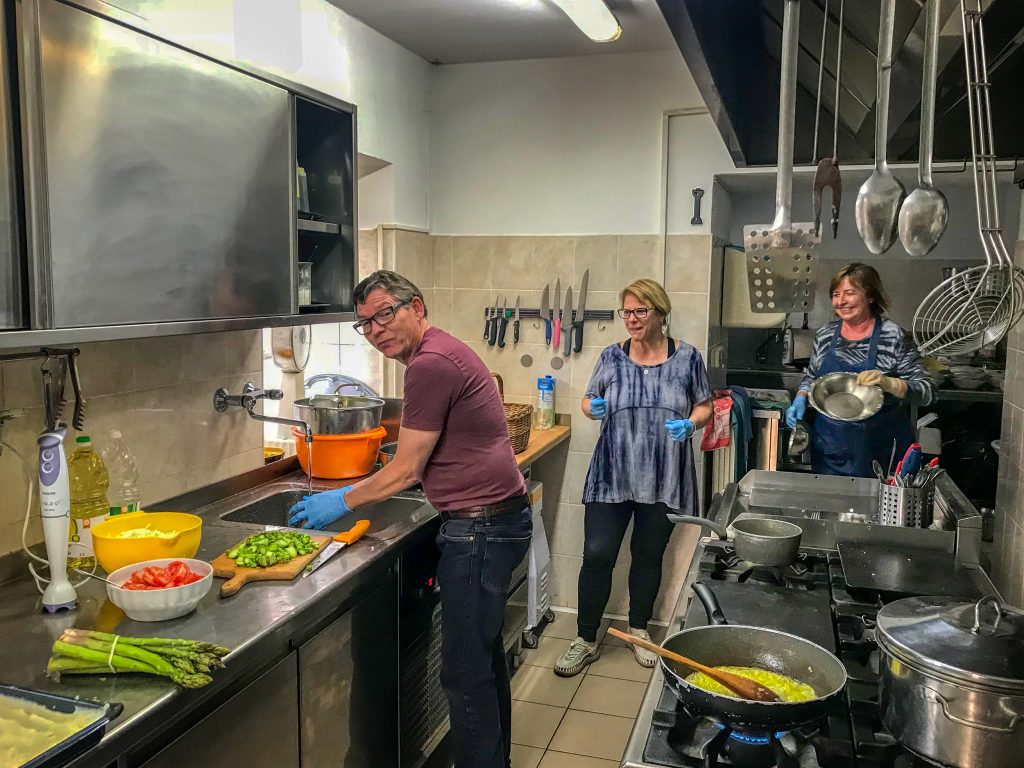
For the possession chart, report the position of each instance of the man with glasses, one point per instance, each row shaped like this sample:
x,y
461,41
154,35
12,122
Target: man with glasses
x,y
454,440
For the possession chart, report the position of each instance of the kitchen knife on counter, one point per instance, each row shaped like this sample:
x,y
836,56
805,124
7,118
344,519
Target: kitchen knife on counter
x,y
502,323
545,312
556,316
341,540
567,324
492,336
515,323
581,308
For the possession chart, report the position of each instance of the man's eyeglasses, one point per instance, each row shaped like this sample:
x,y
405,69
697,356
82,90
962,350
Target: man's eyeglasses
x,y
639,313
381,318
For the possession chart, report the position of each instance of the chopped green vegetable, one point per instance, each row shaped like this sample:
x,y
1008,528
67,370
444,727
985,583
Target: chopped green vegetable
x,y
271,548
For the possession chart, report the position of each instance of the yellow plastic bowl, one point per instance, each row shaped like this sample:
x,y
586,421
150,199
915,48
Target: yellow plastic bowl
x,y
113,553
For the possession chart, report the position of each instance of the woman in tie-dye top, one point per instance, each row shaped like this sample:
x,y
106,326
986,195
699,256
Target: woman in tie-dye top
x,y
651,393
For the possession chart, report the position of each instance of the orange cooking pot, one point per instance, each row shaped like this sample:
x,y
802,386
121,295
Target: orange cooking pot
x,y
338,457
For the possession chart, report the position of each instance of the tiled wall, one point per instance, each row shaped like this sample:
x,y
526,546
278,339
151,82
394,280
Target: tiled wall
x,y
1008,548
159,394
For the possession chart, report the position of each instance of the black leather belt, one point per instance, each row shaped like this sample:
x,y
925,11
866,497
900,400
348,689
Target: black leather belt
x,y
511,504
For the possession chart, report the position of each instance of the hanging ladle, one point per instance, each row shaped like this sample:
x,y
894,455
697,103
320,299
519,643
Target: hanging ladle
x,y
880,197
925,212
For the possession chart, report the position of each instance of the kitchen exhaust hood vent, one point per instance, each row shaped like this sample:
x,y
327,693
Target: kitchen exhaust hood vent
x,y
733,49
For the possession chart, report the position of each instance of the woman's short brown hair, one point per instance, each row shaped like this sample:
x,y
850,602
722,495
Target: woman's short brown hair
x,y
650,293
865,277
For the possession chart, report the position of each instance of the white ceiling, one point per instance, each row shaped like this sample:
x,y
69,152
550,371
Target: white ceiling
x,y
465,31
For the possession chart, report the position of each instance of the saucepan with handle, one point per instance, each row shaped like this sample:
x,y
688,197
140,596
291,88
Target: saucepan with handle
x,y
724,644
759,540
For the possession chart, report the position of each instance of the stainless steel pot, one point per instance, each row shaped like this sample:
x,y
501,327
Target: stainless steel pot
x,y
339,414
758,540
952,680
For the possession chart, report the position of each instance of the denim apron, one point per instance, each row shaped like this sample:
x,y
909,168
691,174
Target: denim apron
x,y
848,447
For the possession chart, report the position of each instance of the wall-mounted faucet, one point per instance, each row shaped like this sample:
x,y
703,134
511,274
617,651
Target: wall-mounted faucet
x,y
248,399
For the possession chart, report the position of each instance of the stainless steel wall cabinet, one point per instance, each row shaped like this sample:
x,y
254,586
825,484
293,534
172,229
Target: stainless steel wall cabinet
x,y
159,181
13,312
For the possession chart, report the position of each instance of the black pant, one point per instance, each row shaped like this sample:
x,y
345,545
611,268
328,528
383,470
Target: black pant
x,y
603,528
478,556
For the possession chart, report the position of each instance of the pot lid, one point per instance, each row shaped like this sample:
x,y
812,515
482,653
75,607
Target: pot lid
x,y
979,643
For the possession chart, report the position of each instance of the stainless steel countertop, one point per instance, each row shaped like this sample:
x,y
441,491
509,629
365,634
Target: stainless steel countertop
x,y
260,624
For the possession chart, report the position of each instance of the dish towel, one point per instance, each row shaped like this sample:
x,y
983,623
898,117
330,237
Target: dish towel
x,y
716,433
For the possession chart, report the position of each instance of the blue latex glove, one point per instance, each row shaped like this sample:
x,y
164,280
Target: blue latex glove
x,y
598,408
679,429
320,510
796,411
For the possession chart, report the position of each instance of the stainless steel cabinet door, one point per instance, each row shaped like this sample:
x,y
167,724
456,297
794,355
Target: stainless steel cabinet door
x,y
161,188
257,728
12,286
348,687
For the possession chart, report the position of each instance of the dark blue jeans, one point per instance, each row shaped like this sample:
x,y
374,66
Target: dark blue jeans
x,y
478,556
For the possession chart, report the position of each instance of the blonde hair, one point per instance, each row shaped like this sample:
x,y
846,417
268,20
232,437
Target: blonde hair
x,y
650,293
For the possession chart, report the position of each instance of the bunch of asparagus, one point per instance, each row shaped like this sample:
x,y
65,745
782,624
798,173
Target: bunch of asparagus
x,y
87,652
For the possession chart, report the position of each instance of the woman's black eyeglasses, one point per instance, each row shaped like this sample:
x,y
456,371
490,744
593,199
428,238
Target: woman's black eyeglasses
x,y
381,318
639,313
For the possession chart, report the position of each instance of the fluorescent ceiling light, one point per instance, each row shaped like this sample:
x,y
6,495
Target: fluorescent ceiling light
x,y
593,18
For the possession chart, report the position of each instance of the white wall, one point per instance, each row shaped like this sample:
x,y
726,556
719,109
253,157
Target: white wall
x,y
554,146
316,44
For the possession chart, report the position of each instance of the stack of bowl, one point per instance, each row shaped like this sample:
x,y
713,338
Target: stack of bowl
x,y
996,378
968,376
347,434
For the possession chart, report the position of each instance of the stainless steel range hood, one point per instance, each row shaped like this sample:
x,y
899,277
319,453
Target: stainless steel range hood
x,y
733,48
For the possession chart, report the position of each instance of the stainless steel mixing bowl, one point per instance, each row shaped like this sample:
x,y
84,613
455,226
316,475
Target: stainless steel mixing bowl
x,y
839,396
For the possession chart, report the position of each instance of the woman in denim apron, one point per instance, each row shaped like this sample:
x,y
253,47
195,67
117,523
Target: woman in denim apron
x,y
863,341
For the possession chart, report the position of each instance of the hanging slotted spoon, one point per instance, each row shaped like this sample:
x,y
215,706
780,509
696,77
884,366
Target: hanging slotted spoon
x,y
975,308
925,212
782,257
880,197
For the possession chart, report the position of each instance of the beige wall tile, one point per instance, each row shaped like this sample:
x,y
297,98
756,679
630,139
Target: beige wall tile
x,y
369,258
471,262
158,362
441,310
467,321
512,263
584,433
23,384
576,467
582,369
564,527
690,318
565,576
687,263
640,256
424,250
599,254
601,333
553,260
105,367
442,261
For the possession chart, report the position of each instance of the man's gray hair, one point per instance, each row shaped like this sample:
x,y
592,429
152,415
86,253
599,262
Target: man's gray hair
x,y
392,284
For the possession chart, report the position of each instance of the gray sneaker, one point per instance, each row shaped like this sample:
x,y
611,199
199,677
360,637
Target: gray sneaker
x,y
643,657
578,655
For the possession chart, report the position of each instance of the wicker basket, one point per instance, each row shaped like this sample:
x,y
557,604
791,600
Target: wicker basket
x,y
518,417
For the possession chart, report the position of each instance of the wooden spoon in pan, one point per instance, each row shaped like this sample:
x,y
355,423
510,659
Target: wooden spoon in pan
x,y
743,686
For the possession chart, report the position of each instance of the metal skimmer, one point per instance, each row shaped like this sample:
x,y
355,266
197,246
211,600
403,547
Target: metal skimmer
x,y
782,257
976,307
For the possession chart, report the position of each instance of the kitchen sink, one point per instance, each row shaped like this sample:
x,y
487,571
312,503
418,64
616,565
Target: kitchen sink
x,y
393,513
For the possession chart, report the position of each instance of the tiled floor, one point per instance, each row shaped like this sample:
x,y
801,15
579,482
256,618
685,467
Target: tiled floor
x,y
575,722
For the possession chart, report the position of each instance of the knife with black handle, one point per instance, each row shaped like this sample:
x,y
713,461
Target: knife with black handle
x,y
581,309
567,324
502,327
492,335
487,322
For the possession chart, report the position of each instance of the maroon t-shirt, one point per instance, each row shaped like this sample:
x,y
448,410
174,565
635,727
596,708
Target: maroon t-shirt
x,y
449,390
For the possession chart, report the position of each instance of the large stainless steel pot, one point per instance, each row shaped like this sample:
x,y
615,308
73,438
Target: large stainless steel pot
x,y
952,680
339,414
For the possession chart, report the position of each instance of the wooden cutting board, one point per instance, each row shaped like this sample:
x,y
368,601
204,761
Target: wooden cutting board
x,y
224,567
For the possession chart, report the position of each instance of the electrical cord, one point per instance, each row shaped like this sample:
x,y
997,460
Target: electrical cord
x,y
29,475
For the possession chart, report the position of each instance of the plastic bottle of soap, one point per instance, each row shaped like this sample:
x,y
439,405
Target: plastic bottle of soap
x,y
545,410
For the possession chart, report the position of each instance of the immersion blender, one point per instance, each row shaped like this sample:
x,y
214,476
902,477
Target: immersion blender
x,y
55,505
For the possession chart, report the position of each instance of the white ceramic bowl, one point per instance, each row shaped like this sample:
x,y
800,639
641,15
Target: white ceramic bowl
x,y
159,604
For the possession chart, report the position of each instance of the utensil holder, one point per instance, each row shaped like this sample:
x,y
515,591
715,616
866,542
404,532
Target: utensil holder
x,y
905,506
